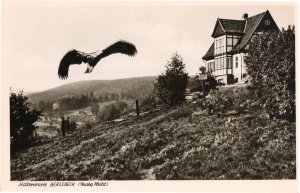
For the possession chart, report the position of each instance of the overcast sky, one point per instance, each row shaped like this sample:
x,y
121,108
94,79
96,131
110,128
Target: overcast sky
x,y
38,34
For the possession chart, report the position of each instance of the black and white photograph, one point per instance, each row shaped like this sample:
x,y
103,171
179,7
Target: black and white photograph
x,y
149,91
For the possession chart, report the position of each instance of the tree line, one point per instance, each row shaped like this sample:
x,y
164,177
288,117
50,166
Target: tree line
x,y
77,102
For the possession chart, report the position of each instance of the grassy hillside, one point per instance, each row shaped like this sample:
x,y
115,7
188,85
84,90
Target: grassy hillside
x,y
131,87
179,143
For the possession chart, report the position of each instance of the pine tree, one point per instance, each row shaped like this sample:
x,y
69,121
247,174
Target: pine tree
x,y
22,118
170,87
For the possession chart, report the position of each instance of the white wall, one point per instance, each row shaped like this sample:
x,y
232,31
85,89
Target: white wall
x,y
241,69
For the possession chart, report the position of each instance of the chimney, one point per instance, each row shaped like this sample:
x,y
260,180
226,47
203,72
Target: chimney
x,y
245,16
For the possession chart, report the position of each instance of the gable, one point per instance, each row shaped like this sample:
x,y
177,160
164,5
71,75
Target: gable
x,y
218,30
250,27
267,23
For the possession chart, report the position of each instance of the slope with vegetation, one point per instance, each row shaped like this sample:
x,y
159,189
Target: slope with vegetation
x,y
184,142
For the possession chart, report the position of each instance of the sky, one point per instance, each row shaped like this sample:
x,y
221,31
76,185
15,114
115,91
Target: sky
x,y
37,34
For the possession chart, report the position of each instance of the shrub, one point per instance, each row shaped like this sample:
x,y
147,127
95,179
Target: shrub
x,y
197,85
211,83
194,84
112,111
239,99
218,102
271,67
148,103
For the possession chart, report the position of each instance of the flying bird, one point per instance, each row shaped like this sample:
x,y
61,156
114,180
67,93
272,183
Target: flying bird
x,y
91,59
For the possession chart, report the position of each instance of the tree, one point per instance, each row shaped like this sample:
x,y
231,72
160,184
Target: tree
x,y
271,67
202,69
170,87
22,118
95,108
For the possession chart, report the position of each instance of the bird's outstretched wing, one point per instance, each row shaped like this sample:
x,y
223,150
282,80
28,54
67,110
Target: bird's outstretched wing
x,y
71,57
121,47
77,57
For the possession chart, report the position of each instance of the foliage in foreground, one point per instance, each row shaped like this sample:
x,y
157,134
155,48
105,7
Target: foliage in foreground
x,y
170,87
271,67
237,100
22,118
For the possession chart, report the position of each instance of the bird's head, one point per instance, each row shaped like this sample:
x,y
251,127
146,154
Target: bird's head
x,y
86,59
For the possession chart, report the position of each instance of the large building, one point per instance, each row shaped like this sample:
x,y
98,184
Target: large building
x,y
225,57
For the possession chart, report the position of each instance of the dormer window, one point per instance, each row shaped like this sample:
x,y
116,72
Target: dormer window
x,y
267,22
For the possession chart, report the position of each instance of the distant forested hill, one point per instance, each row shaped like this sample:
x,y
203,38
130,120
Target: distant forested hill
x,y
129,88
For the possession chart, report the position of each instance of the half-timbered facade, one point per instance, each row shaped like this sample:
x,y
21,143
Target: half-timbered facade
x,y
226,55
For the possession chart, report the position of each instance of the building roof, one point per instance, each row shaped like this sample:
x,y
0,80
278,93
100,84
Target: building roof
x,y
246,27
235,26
250,27
210,54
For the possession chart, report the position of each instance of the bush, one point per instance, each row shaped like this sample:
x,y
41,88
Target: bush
x,y
195,85
148,103
239,99
112,111
218,102
271,67
170,87
22,118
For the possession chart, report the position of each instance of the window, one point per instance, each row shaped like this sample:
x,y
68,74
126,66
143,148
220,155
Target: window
x,y
267,22
235,41
211,66
220,45
219,63
222,63
236,62
229,62
231,41
208,67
